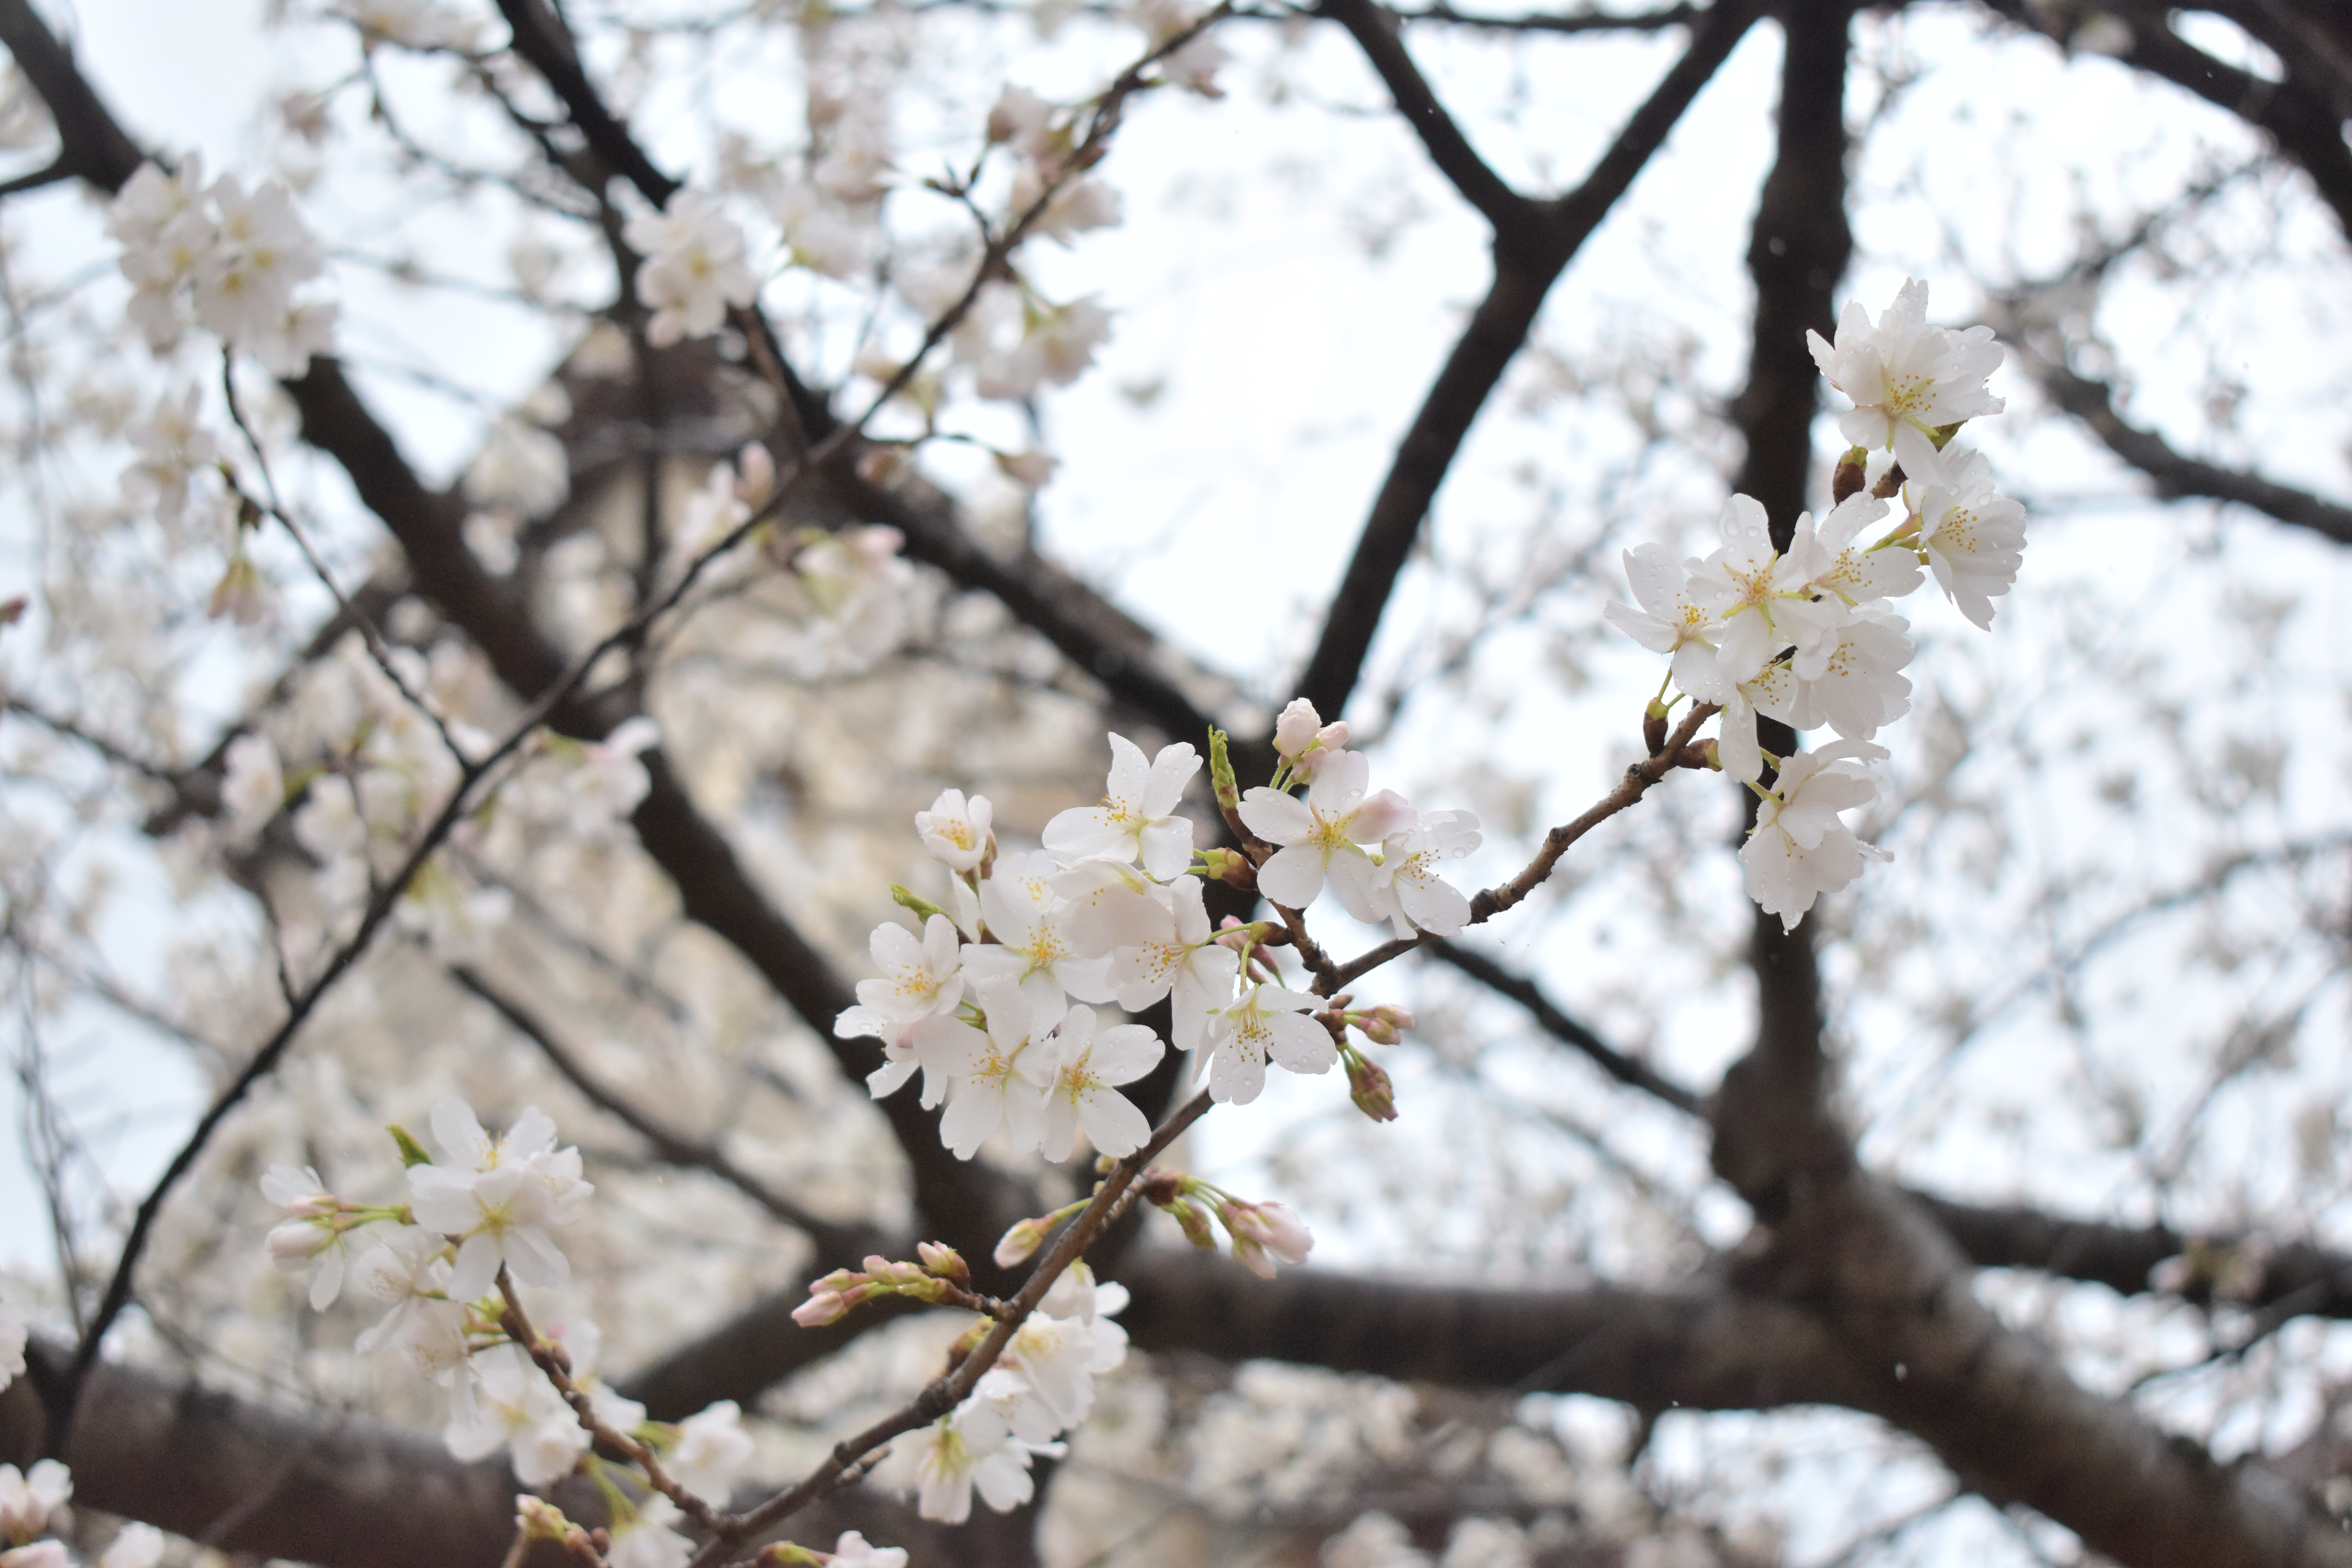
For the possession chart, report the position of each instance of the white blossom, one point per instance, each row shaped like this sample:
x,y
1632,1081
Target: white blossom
x,y
410,1270
135,1545
712,1449
648,1536
309,1237
1086,1066
1669,621
1762,600
854,1550
1406,888
1034,945
254,786
1304,741
998,1077
498,1197
920,979
1974,536
1906,378
508,1402
693,269
1801,847
245,283
955,832
1267,1024
174,449
1265,1234
1186,965
1859,684
1321,835
972,1447
1137,819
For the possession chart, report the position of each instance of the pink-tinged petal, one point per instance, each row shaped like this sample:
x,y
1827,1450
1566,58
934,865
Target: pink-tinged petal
x,y
1386,813
1294,877
1114,1125
1275,817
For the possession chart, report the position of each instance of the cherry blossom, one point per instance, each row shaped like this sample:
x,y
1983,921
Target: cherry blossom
x,y
1137,815
918,980
972,1447
1265,1234
1186,963
693,269
411,24
412,1271
1857,684
310,1236
506,1401
1035,945
955,832
1763,599
712,1449
1000,1078
1406,888
500,1198
254,787
1321,835
1087,1065
1857,576
854,1550
1974,536
1670,621
1265,1025
174,449
1304,741
1906,378
1801,847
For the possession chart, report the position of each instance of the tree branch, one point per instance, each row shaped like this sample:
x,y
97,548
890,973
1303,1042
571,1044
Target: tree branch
x,y
1528,257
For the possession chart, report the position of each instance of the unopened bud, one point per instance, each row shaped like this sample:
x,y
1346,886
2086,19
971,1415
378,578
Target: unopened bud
x,y
784,1554
755,475
1849,475
1159,1186
1384,1025
1221,771
1194,1224
1232,867
1020,1244
1653,729
943,1262
1703,753
822,1306
1368,1087
539,1520
412,1152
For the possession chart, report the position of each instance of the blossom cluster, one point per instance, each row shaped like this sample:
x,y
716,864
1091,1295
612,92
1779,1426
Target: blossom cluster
x,y
485,1212
1043,1385
1806,634
995,1002
236,256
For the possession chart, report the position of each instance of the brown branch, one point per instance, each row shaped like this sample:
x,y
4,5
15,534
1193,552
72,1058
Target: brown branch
x,y
2175,474
1534,242
542,38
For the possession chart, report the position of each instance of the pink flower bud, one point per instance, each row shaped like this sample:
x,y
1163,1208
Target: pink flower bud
x,y
1370,1088
1020,1244
820,1309
943,1262
755,473
1295,731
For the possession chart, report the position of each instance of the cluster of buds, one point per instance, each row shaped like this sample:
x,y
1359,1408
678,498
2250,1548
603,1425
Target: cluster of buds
x,y
1261,1234
941,1278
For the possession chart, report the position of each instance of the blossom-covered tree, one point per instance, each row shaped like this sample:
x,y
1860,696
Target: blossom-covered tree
x,y
695,587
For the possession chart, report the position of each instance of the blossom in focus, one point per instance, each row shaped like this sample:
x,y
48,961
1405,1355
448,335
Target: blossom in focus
x,y
499,1196
1087,1065
1974,536
1265,1024
1321,836
1186,965
1801,847
1858,684
955,831
1906,378
1137,819
693,269
1669,620
1406,888
1858,576
1000,1076
1303,741
1035,945
918,980
1763,599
